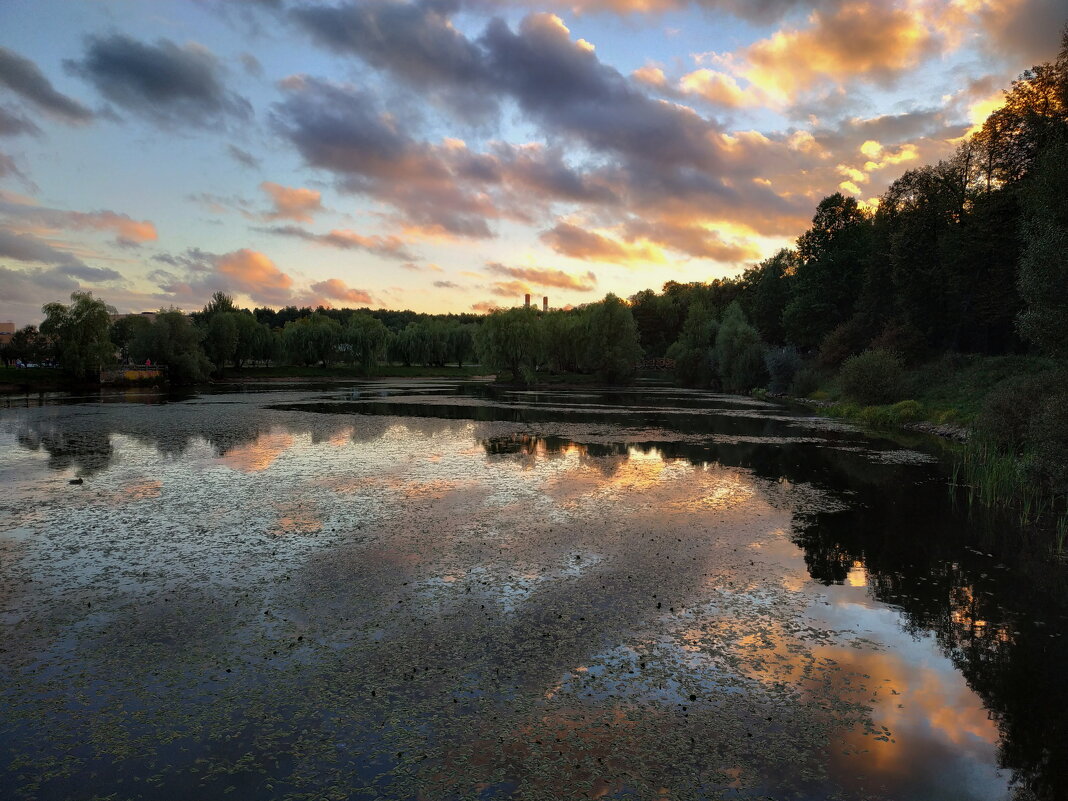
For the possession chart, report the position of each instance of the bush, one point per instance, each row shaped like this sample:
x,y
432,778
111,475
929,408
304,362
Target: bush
x,y
872,377
906,411
1047,433
783,364
902,339
842,342
1007,413
806,382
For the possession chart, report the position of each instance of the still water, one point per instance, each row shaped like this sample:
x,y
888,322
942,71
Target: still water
x,y
435,590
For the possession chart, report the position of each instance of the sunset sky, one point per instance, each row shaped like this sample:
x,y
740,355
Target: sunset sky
x,y
451,155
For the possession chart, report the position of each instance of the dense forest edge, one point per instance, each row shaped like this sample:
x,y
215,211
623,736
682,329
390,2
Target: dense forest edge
x,y
947,302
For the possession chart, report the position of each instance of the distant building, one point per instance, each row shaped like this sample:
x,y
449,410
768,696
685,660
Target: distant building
x,y
545,303
7,330
527,302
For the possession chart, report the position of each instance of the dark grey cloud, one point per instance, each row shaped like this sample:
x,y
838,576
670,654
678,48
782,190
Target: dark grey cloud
x,y
413,41
12,123
168,84
252,65
243,157
22,77
446,285
27,247
93,275
343,130
390,247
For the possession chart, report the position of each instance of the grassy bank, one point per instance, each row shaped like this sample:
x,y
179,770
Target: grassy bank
x,y
1013,413
292,372
31,379
949,391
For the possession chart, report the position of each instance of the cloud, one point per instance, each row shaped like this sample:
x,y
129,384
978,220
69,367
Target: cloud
x,y
485,306
336,289
252,65
292,203
29,248
446,285
199,273
578,243
542,276
254,273
127,230
413,41
873,42
716,87
693,240
166,83
23,77
509,289
342,130
12,123
391,247
92,274
243,157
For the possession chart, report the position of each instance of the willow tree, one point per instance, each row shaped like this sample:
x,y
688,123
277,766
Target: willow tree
x,y
79,334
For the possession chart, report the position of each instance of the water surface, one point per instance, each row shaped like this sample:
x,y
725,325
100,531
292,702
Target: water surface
x,y
433,590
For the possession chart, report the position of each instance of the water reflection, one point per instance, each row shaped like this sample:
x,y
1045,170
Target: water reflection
x,y
311,592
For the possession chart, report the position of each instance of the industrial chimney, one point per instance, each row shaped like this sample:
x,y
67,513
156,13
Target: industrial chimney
x,y
527,304
545,303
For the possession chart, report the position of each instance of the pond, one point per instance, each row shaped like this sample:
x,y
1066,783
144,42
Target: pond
x,y
440,590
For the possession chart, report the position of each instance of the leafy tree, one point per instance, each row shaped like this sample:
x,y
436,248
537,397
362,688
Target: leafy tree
x,y
125,330
461,342
26,344
1044,263
565,340
366,337
249,337
692,351
833,259
613,348
739,352
79,334
511,340
765,291
220,338
220,303
312,340
173,341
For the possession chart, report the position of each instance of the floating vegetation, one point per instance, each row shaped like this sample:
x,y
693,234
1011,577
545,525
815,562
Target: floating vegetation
x,y
249,599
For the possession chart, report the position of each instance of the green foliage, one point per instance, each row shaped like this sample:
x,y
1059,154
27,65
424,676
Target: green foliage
x,y
366,338
511,340
806,382
79,334
692,351
782,365
766,290
739,353
172,340
1047,459
312,340
565,340
872,377
220,338
220,303
1044,262
613,349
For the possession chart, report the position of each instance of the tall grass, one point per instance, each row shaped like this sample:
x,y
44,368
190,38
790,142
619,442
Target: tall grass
x,y
997,479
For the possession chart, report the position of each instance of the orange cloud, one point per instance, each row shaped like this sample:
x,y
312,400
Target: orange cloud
x,y
578,243
543,276
485,306
292,203
716,87
870,41
125,228
336,289
251,271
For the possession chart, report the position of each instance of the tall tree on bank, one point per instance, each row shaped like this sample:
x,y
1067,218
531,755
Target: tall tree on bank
x,y
613,344
79,334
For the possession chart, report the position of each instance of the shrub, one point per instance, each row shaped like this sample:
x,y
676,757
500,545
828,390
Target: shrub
x,y
1047,434
906,411
739,352
806,383
902,339
1010,407
783,364
872,377
842,342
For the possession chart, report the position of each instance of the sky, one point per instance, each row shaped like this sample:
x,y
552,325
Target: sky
x,y
453,155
